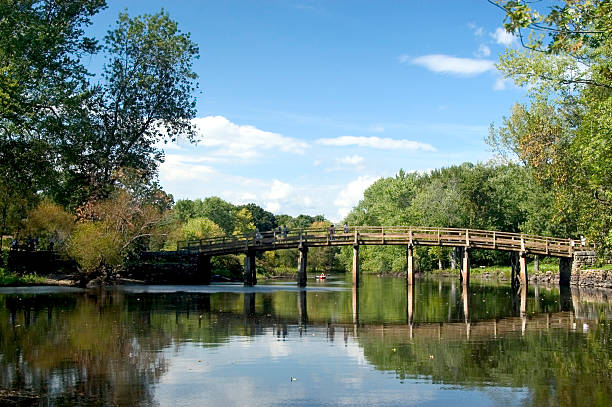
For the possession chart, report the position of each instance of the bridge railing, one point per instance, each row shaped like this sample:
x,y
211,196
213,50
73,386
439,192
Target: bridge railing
x,y
419,235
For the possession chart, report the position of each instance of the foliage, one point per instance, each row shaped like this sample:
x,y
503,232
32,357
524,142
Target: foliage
x,y
9,278
262,219
146,98
68,136
50,222
95,246
243,223
484,196
111,230
564,134
213,208
199,228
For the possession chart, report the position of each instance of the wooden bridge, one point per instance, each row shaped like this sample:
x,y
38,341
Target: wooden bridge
x,y
519,244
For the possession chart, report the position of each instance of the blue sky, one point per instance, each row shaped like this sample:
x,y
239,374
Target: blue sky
x,y
304,104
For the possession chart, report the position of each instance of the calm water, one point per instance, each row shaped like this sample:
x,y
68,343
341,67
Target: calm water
x,y
328,345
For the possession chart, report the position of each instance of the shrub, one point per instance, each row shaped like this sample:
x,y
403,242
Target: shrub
x,y
95,247
50,222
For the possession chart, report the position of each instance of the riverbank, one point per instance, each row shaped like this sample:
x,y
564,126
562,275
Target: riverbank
x,y
548,274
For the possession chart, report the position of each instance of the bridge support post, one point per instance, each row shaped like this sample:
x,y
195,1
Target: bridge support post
x,y
465,267
565,271
250,276
410,303
522,257
302,263
356,265
465,299
410,264
302,309
203,269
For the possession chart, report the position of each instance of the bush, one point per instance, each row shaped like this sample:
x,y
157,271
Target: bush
x,y
95,247
50,223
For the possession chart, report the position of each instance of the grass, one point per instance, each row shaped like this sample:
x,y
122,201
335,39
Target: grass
x,y
506,271
12,279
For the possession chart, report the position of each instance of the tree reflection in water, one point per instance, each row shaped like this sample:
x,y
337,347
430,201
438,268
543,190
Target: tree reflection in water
x,y
109,347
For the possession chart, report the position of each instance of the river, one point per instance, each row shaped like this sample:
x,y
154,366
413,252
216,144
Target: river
x,y
275,345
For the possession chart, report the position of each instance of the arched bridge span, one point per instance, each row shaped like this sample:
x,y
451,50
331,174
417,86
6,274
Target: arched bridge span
x,y
408,236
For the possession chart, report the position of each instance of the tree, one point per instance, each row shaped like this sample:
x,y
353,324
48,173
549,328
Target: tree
x,y
262,219
243,223
565,134
50,222
146,97
43,86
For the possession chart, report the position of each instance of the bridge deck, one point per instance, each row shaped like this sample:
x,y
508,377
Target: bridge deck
x,y
392,235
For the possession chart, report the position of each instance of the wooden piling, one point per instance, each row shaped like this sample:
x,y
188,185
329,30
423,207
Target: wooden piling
x,y
410,264
410,303
523,269
355,265
203,269
565,271
250,276
302,264
465,267
465,299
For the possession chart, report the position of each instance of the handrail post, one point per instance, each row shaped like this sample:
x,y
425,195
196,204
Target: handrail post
x,y
410,236
547,246
382,233
356,234
494,242
467,237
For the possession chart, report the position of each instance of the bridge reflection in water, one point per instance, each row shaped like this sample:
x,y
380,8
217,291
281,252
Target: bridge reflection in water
x,y
575,307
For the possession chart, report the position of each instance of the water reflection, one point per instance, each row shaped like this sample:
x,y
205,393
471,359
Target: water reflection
x,y
131,347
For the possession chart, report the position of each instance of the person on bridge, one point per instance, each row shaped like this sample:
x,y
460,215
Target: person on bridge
x,y
346,228
332,231
285,231
257,236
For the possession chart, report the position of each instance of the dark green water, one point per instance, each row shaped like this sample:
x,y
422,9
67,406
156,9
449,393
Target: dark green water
x,y
379,345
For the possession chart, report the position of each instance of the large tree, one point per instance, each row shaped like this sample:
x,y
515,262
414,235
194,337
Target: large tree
x,y
43,86
565,133
146,96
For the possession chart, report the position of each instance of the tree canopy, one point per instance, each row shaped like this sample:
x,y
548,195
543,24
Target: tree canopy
x,y
564,132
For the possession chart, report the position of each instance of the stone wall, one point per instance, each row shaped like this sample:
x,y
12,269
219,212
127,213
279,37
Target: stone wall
x,y
583,274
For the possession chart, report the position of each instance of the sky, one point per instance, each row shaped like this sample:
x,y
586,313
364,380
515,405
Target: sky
x,y
303,104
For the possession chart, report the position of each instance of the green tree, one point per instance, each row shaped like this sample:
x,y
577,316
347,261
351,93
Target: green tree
x,y
565,133
262,219
146,97
243,223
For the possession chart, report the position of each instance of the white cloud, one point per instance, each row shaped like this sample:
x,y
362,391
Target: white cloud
x,y
349,196
478,31
350,160
483,51
180,167
376,142
453,65
233,141
500,84
279,190
503,37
